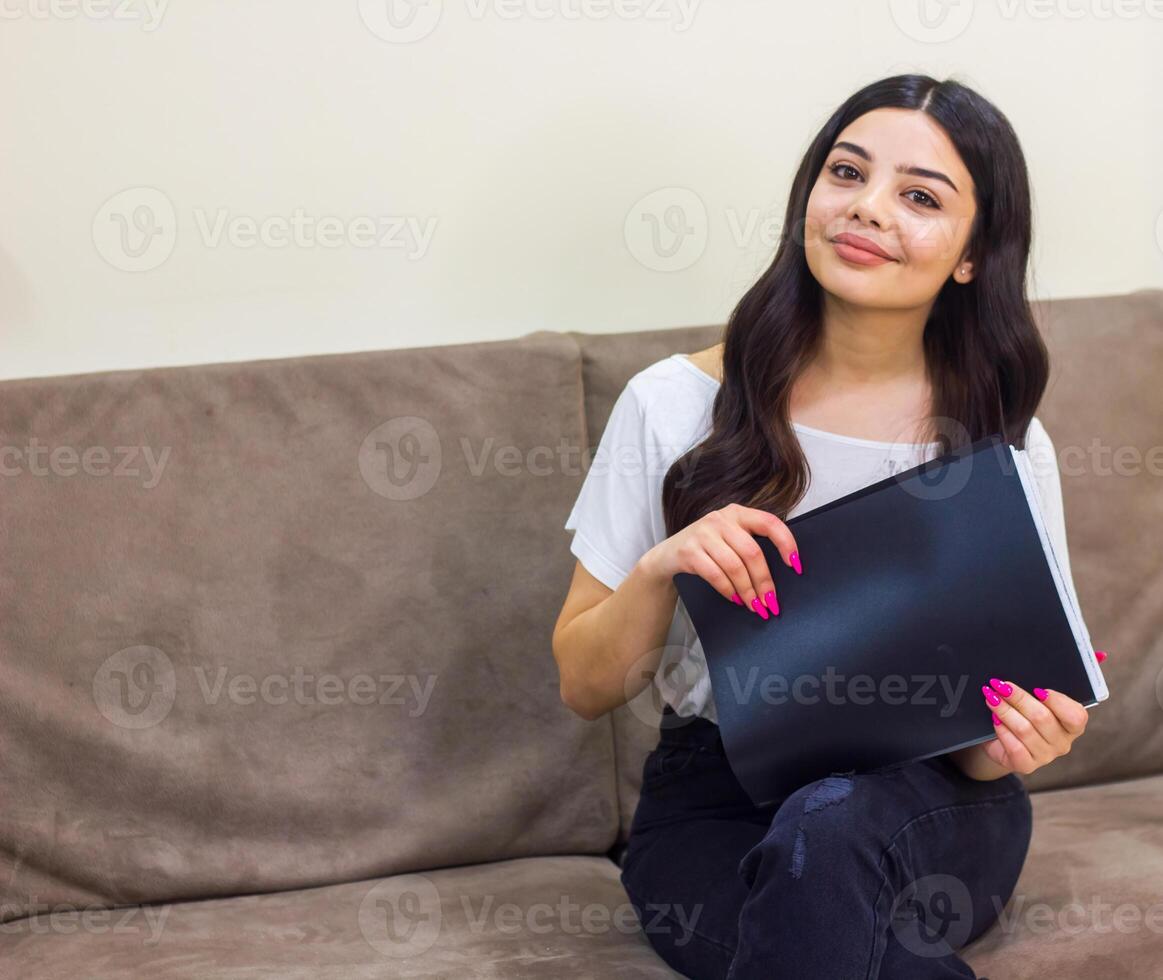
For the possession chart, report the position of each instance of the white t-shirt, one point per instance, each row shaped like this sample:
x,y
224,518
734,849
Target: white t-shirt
x,y
663,412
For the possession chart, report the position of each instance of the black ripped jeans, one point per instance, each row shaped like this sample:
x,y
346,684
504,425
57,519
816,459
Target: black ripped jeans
x,y
882,874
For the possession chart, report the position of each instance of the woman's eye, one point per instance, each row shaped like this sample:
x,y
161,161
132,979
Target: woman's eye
x,y
932,203
928,202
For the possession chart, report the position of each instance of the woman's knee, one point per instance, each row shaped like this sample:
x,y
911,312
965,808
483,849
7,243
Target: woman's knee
x,y
847,814
818,815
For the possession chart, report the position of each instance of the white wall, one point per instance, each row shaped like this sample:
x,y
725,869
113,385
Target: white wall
x,y
522,141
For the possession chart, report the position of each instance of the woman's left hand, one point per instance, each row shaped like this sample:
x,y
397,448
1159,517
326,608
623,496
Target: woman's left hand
x,y
1032,728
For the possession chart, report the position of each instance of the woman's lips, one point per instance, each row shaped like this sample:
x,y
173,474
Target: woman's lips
x,y
858,255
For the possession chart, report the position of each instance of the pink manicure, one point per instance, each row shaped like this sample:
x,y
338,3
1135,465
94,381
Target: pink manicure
x,y
996,719
771,603
1040,693
1100,655
794,558
1002,688
735,599
757,606
992,698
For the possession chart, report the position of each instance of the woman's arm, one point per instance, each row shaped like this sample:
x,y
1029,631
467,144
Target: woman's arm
x,y
608,644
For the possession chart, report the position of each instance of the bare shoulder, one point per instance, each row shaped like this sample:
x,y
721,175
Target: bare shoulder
x,y
709,360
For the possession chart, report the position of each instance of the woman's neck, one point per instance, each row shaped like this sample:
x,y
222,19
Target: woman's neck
x,y
867,378
867,347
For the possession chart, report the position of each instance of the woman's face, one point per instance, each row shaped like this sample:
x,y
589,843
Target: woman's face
x,y
921,220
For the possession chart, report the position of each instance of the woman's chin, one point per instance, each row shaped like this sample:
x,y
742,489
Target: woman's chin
x,y
859,287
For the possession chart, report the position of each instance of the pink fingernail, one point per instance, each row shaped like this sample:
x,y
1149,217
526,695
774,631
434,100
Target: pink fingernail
x,y
1040,693
996,719
758,607
1002,688
794,558
1100,655
771,603
735,599
992,698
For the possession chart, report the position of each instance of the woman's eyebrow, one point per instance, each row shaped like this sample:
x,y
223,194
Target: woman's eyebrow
x,y
901,168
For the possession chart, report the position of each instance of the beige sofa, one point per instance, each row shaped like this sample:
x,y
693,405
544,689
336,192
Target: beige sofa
x,y
277,697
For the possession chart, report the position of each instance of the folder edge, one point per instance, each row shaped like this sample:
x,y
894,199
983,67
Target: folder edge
x,y
1073,613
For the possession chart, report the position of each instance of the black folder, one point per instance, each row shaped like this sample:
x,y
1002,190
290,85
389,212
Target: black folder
x,y
915,591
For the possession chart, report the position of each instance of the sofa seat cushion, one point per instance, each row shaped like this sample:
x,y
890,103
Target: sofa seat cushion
x,y
551,917
1088,901
1087,904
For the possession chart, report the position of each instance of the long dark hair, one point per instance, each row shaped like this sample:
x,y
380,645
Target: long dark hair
x,y
986,362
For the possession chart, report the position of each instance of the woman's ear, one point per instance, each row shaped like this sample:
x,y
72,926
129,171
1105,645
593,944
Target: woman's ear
x,y
964,272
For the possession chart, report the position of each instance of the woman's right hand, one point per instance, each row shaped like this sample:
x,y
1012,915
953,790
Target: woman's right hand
x,y
720,549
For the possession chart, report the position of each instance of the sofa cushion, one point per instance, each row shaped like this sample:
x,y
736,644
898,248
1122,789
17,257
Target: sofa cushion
x,y
1087,903
550,917
305,638
1103,413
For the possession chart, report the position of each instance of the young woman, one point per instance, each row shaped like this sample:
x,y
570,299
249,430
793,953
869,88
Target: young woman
x,y
892,325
